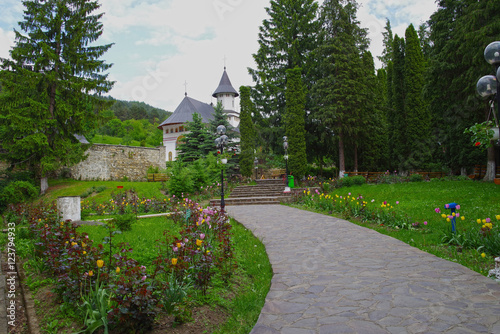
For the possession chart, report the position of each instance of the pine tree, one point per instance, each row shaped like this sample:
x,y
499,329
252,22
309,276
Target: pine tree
x,y
294,118
197,142
247,132
52,85
286,40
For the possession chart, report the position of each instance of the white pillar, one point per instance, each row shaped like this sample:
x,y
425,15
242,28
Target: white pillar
x,y
69,208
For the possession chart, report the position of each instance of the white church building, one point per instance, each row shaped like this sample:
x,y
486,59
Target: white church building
x,y
174,127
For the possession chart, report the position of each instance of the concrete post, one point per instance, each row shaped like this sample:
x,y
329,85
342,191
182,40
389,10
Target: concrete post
x,y
69,208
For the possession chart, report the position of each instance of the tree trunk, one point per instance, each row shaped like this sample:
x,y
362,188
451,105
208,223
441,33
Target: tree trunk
x,y
490,167
341,155
44,185
355,157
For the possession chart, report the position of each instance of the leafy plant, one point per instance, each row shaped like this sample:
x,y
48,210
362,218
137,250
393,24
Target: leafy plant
x,y
481,134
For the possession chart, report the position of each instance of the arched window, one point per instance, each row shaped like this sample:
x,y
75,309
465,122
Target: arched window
x,y
169,156
176,130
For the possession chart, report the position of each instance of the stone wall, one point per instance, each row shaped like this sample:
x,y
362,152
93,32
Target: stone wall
x,y
114,162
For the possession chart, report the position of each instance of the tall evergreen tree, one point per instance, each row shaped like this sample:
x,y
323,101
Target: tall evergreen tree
x,y
388,39
417,150
336,92
295,115
459,32
247,132
286,39
52,84
397,117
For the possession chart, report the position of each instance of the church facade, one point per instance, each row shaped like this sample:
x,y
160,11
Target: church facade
x,y
174,127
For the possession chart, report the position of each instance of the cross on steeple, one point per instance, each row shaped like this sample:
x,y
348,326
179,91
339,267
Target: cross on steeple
x,y
225,58
185,88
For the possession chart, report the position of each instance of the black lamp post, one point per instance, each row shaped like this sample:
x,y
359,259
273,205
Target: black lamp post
x,y
285,146
488,85
219,143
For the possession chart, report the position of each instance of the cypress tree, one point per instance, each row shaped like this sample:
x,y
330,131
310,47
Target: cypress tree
x,y
51,86
397,137
247,132
417,151
295,114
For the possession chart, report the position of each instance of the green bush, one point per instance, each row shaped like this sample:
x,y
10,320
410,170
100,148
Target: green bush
x,y
327,172
17,192
351,181
416,178
124,222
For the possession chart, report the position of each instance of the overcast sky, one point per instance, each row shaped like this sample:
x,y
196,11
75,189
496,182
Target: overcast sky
x,y
162,44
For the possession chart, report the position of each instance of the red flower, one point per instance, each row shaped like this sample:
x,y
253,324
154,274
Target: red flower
x,y
478,143
218,152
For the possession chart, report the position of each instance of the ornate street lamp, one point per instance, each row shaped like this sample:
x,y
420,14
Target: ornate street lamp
x,y
255,163
488,85
220,142
285,146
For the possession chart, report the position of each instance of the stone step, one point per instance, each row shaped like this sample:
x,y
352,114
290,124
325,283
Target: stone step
x,y
246,201
257,194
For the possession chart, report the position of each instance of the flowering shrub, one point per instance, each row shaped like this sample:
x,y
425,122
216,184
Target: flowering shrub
x,y
202,246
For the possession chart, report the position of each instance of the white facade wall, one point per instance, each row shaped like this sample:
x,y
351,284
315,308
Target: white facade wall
x,y
171,134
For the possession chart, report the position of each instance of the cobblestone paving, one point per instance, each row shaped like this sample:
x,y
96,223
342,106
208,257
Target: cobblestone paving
x,y
332,276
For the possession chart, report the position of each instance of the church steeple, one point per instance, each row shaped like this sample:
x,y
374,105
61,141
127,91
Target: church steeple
x,y
226,95
225,86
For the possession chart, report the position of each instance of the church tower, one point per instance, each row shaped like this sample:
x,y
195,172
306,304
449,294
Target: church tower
x,y
226,94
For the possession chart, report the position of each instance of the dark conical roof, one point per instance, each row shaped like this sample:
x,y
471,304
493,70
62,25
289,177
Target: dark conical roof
x,y
225,86
184,112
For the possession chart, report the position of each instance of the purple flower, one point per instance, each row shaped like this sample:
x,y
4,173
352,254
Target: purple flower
x,y
488,220
144,277
458,207
202,236
425,223
447,206
397,202
437,210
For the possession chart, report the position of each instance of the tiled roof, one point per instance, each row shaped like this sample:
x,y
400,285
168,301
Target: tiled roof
x,y
225,86
184,112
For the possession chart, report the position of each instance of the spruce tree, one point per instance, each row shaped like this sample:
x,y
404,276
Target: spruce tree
x,y
397,117
247,132
336,92
286,40
197,142
386,56
294,118
51,85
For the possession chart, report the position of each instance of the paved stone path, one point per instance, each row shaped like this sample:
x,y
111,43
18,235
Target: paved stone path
x,y
332,276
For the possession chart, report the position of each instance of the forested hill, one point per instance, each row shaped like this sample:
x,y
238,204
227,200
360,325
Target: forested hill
x,y
125,110
130,123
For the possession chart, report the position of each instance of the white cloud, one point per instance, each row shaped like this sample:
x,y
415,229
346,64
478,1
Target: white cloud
x,y
6,42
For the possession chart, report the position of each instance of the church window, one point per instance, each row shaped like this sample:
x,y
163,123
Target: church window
x,y
169,156
181,129
176,130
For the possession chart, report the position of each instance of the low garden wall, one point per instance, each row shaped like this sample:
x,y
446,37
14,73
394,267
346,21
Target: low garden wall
x,y
116,162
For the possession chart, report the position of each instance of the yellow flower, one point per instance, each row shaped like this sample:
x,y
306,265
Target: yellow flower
x,y
483,255
453,214
198,242
484,221
100,263
179,245
73,244
174,261
84,252
498,217
479,221
117,270
91,273
443,215
448,220
463,218
84,245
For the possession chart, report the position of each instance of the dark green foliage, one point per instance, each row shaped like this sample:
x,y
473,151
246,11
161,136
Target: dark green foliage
x,y
124,222
396,114
295,122
417,151
386,56
286,40
17,192
247,132
51,87
197,143
180,181
336,91
351,181
416,178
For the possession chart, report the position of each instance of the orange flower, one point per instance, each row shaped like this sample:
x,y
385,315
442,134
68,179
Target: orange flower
x,y
174,261
117,270
91,273
199,242
100,263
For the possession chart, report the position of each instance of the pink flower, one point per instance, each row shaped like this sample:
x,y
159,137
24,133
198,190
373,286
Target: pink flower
x,y
175,249
488,220
425,223
143,278
397,202
458,207
447,206
457,215
437,210
202,236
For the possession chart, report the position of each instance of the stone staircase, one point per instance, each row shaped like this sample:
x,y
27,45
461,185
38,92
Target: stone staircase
x,y
265,192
